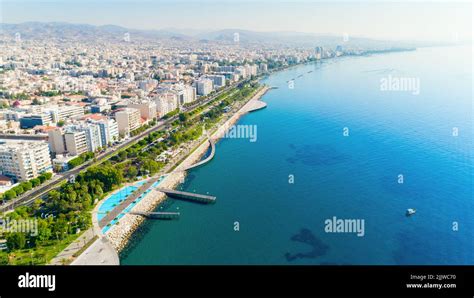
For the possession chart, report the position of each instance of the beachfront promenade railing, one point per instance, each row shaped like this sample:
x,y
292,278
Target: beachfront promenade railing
x,y
190,196
157,215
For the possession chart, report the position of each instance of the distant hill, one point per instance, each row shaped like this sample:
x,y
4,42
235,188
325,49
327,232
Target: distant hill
x,y
67,31
57,30
306,39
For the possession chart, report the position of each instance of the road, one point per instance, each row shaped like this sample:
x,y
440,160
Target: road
x,y
30,196
40,191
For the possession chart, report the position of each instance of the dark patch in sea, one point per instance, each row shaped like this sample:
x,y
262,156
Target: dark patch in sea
x,y
306,236
317,155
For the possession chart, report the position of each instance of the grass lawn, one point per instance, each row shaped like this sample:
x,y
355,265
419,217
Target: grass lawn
x,y
40,255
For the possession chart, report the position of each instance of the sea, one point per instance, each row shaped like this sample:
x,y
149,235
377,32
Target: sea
x,y
352,139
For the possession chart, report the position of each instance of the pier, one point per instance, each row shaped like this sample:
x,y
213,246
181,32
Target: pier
x,y
157,215
189,196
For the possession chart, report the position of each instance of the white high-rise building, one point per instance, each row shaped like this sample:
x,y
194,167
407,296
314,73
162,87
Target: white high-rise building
x,y
147,108
204,86
242,72
56,141
251,70
63,113
166,102
190,92
24,160
185,93
217,80
108,131
319,52
128,120
93,136
76,142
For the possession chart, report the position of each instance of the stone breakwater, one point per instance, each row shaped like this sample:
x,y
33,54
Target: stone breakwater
x,y
120,233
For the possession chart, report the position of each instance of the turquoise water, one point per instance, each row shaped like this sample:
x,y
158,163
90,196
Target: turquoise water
x,y
119,196
300,133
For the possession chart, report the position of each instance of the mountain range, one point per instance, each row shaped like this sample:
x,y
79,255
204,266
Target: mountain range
x,y
82,32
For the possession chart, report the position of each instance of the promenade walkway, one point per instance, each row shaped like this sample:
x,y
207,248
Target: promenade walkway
x,y
100,252
200,163
135,195
67,254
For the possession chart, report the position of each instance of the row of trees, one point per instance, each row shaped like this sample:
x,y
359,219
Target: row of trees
x,y
25,186
143,128
50,93
241,94
171,114
82,158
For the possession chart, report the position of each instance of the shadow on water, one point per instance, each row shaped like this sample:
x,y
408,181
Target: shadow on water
x,y
307,237
316,155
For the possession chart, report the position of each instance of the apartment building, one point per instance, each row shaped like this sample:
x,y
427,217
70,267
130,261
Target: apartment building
x,y
24,160
108,131
128,120
76,142
56,141
93,135
218,81
147,108
204,86
30,121
185,93
63,113
166,102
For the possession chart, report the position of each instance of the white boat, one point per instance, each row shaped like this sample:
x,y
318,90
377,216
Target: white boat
x,y
410,211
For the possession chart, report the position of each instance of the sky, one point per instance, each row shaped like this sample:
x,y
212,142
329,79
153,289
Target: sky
x,y
401,20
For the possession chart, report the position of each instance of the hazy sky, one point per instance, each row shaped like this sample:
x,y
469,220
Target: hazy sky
x,y
401,20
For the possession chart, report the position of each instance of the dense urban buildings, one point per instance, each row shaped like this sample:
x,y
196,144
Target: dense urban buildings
x,y
68,98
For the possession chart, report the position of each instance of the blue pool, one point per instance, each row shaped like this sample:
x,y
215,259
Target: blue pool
x,y
119,196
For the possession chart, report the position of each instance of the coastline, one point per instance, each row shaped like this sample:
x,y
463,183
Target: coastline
x,y
119,234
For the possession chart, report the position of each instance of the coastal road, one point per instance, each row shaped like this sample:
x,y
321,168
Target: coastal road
x,y
252,104
40,191
30,196
100,253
